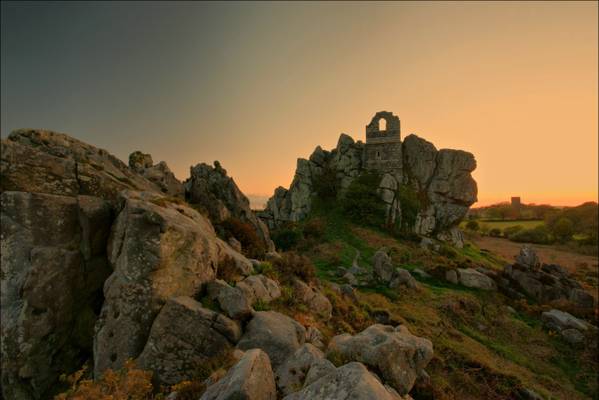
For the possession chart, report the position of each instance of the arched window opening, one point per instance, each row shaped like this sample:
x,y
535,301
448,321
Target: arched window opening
x,y
382,124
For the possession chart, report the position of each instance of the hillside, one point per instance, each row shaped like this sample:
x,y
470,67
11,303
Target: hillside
x,y
119,281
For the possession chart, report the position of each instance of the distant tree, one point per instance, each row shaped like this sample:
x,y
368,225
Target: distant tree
x,y
495,232
472,225
563,229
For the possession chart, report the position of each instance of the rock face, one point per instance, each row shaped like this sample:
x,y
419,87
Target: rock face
x,y
544,282
158,250
54,264
290,376
349,382
159,174
250,379
400,356
53,163
183,337
278,335
441,179
316,301
217,193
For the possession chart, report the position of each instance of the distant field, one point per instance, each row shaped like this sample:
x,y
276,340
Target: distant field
x,y
527,224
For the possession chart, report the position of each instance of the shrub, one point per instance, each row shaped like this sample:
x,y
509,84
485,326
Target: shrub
x,y
251,245
538,235
227,270
495,232
286,238
563,229
361,202
512,230
472,225
325,185
292,265
314,228
410,206
129,383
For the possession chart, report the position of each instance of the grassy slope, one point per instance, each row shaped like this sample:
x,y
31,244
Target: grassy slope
x,y
527,224
481,349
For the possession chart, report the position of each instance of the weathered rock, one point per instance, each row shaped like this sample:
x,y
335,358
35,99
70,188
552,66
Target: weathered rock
x,y
213,190
139,161
452,276
259,288
441,179
235,244
291,374
528,257
318,369
420,273
473,279
316,301
350,278
183,337
159,174
402,277
315,337
349,382
278,335
382,265
231,300
560,320
53,267
54,163
395,352
250,379
158,250
582,298
572,336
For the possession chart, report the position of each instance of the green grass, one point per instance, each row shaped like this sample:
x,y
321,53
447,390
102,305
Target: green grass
x,y
526,224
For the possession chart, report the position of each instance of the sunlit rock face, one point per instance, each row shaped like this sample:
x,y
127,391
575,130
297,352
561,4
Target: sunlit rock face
x,y
441,179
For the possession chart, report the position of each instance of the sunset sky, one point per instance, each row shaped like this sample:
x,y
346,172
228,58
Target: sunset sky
x,y
257,85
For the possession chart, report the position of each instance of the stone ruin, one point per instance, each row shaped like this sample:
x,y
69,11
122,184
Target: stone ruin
x,y
442,179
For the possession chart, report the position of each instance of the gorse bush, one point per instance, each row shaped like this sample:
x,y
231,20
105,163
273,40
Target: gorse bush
x,y
129,383
292,265
286,237
539,235
361,202
251,245
512,230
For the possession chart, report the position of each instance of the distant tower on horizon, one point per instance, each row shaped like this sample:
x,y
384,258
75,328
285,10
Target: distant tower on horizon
x,y
516,206
382,151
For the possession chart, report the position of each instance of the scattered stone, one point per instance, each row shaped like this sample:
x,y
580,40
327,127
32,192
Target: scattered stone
x,y
395,352
420,273
382,265
316,301
402,277
318,369
473,279
259,288
250,379
452,276
349,382
350,278
278,335
528,258
232,300
183,337
560,320
572,336
291,374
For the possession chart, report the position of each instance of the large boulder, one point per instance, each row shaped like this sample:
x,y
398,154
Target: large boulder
x,y
399,356
560,320
217,193
231,299
259,288
158,250
382,265
277,334
53,260
159,174
250,379
352,381
184,336
528,258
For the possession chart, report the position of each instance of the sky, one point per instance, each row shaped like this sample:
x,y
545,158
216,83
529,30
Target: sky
x,y
256,85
